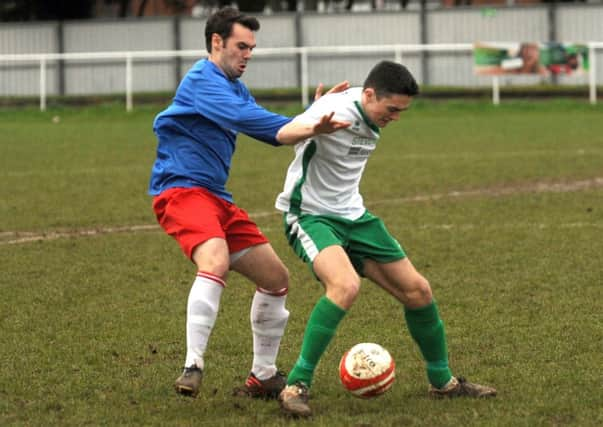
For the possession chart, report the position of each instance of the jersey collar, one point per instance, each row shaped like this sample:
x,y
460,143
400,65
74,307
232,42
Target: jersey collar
x,y
368,121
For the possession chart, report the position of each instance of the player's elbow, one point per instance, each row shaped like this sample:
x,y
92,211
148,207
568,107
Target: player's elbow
x,y
283,137
287,135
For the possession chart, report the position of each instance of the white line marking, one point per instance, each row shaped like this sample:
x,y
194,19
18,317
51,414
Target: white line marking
x,y
563,187
18,237
28,236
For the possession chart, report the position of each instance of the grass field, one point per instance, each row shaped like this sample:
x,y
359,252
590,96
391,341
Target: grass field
x,y
500,207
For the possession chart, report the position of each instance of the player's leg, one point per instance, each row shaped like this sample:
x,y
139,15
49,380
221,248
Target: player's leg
x,y
253,257
333,268
202,240
336,273
260,264
268,317
401,279
380,257
316,241
211,259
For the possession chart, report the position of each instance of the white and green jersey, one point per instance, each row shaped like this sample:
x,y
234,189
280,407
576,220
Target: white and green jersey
x,y
324,178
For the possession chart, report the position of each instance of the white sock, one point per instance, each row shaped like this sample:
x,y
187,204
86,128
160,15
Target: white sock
x,y
268,321
202,309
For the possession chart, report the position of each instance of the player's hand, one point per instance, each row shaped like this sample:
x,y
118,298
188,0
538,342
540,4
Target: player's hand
x,y
328,124
339,87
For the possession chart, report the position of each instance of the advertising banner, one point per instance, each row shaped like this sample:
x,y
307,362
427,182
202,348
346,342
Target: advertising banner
x,y
530,58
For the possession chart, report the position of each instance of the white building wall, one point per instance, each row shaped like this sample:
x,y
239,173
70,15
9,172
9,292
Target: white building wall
x,y
94,76
355,30
443,25
274,71
581,24
23,79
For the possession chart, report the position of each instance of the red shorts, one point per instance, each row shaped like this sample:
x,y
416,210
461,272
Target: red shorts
x,y
195,215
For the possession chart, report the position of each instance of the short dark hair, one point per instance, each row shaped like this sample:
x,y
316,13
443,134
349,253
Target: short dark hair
x,y
390,78
221,23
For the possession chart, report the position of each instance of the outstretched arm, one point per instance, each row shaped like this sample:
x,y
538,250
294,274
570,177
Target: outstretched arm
x,y
293,132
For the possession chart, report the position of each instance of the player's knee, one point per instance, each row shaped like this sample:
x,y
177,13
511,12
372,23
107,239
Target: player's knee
x,y
419,293
215,268
281,277
344,292
216,265
276,279
353,287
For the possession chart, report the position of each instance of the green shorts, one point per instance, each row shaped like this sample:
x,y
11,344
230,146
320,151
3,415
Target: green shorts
x,y
366,237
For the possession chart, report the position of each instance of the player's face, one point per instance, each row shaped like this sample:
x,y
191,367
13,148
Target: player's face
x,y
233,54
530,54
386,109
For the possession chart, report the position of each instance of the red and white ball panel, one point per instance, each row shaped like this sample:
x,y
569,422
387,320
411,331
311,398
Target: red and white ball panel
x,y
367,370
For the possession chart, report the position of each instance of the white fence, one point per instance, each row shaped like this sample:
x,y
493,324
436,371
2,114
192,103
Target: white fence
x,y
396,50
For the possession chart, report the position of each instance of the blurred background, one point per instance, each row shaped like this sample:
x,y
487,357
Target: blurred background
x,y
64,49
25,10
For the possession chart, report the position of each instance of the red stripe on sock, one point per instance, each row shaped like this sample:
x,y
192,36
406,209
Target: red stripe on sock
x,y
212,277
278,293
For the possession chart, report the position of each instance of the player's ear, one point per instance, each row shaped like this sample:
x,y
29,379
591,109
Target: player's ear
x,y
216,41
370,93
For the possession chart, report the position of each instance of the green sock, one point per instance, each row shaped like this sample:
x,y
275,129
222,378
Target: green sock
x,y
321,327
427,329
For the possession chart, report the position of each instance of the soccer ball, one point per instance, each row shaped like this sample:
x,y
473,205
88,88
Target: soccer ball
x,y
367,370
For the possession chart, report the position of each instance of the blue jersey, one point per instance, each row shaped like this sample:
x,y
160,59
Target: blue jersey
x,y
197,132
